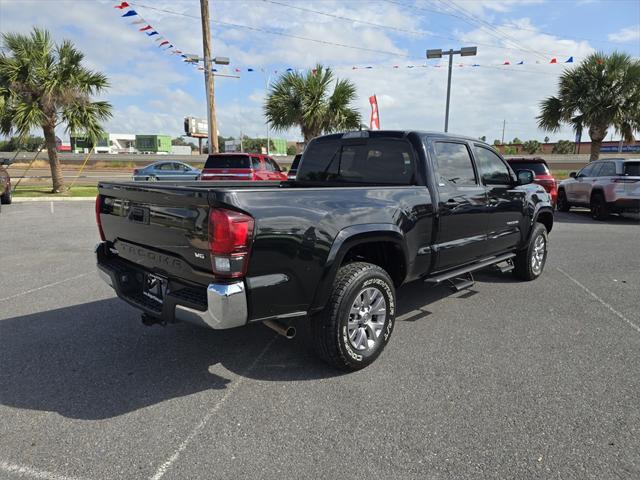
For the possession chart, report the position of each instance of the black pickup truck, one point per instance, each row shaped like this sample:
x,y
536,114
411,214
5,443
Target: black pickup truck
x,y
367,212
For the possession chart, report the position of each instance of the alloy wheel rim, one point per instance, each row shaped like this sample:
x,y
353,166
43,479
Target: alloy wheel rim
x,y
539,252
367,317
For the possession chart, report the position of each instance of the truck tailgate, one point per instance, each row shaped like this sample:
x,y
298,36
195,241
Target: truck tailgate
x,y
163,228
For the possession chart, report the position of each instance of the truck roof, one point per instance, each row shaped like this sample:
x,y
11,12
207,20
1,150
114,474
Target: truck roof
x,y
398,134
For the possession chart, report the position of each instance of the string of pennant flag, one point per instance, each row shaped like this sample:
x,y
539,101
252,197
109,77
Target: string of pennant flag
x,y
166,45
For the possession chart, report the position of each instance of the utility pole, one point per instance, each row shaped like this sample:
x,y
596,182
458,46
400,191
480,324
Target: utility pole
x,y
504,123
208,77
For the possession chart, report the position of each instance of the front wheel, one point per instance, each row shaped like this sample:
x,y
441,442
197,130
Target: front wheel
x,y
6,198
357,322
599,208
529,263
562,203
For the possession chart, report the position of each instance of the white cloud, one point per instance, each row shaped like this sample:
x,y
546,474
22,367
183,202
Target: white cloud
x,y
625,35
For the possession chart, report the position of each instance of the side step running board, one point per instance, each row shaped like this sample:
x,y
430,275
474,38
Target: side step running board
x,y
469,268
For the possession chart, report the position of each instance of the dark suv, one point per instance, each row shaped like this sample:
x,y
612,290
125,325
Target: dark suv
x,y
5,182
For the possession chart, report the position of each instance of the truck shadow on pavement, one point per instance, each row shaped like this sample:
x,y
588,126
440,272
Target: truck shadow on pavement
x,y
96,360
583,216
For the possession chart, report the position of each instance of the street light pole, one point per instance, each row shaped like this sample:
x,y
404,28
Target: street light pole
x,y
208,77
446,115
437,53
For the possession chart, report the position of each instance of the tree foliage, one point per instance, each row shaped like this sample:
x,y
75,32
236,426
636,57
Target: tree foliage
x,y
531,146
306,101
563,147
28,144
44,84
602,92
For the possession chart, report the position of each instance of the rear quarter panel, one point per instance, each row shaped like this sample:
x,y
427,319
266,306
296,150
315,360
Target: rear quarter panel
x,y
295,229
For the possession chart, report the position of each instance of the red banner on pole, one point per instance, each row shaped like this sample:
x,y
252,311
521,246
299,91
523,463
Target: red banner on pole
x,y
374,124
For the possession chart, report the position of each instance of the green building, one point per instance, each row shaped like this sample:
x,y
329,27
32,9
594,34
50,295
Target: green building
x,y
81,143
153,143
279,146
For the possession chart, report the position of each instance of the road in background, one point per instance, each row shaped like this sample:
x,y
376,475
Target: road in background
x,y
506,380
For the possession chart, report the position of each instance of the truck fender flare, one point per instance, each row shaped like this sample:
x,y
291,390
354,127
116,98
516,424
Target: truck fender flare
x,y
344,241
544,214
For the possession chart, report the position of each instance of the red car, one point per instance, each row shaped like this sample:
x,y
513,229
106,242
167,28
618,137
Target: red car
x,y
241,166
541,169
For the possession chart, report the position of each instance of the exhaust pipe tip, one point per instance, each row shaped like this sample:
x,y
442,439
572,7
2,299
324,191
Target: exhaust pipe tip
x,y
280,328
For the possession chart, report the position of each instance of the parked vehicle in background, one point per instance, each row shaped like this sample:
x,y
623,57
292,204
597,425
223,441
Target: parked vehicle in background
x,y
241,166
294,167
166,171
5,182
368,212
541,169
606,186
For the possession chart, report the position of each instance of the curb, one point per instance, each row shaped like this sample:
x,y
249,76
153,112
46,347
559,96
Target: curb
x,y
52,199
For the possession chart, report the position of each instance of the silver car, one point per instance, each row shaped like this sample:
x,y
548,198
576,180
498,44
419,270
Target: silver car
x,y
166,171
606,186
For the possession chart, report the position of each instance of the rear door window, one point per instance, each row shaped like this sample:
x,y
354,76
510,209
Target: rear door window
x,y
227,161
268,164
632,169
454,165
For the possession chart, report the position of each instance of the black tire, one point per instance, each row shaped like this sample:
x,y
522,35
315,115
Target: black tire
x,y
524,266
152,178
7,198
599,208
562,203
330,328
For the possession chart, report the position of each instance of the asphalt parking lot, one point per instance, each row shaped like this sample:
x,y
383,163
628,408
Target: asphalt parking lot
x,y
506,380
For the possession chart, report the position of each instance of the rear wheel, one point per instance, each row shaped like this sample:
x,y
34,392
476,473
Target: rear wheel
x,y
357,322
599,207
152,178
529,263
562,203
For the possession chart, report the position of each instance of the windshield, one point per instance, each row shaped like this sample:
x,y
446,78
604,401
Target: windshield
x,y
632,169
227,161
538,168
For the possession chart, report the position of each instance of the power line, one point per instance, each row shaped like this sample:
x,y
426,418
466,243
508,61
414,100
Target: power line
x,y
273,32
454,15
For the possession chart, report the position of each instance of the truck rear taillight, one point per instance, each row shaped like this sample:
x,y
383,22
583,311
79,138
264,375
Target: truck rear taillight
x,y
230,238
98,221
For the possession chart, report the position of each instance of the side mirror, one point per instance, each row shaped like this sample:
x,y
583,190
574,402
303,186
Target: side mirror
x,y
572,175
525,177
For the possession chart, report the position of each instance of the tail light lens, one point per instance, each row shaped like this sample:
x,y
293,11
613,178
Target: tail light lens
x,y
98,221
230,238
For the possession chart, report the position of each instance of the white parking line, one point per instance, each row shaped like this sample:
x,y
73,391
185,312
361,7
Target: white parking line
x,y
162,469
613,310
23,471
26,292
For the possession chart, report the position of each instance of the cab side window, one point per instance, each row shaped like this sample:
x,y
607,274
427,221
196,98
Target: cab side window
x,y
608,169
454,164
492,169
270,166
586,171
255,163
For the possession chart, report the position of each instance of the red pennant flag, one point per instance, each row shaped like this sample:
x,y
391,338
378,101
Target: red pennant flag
x,y
122,6
506,62
374,123
148,27
554,60
164,43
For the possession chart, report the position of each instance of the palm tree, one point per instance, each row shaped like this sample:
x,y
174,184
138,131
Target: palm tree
x,y
602,92
304,100
43,84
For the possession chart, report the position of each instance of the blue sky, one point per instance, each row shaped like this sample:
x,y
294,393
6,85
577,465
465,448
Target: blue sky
x,y
152,90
